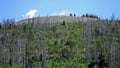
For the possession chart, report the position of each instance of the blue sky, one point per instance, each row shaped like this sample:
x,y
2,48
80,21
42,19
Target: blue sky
x,y
20,9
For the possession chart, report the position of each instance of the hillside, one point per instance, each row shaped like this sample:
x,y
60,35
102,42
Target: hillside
x,y
54,19
73,42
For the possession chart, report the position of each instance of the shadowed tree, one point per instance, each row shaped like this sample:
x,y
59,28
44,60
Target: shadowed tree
x,y
102,62
74,15
70,14
0,26
63,23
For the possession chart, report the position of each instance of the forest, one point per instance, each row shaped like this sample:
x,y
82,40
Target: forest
x,y
75,44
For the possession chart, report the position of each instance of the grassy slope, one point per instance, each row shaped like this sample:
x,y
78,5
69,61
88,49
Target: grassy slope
x,y
54,19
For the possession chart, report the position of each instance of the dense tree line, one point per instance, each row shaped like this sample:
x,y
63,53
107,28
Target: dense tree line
x,y
90,15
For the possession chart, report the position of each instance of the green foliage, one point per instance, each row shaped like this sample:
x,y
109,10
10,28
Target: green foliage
x,y
58,45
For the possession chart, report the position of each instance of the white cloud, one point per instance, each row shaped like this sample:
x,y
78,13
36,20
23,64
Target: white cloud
x,y
62,13
31,13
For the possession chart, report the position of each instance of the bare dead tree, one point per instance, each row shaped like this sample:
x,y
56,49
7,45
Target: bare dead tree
x,y
88,33
95,51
